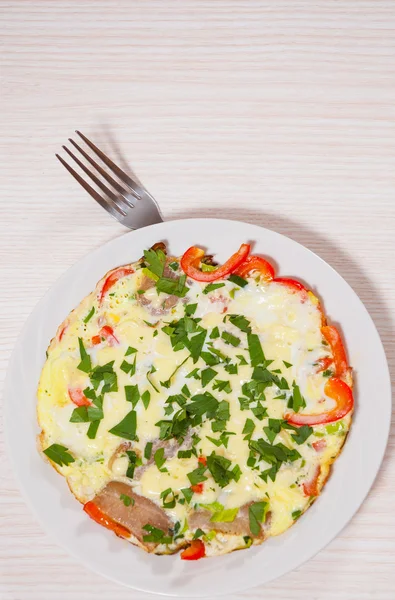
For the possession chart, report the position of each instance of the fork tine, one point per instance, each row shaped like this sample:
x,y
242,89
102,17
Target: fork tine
x,y
113,209
115,199
100,169
118,172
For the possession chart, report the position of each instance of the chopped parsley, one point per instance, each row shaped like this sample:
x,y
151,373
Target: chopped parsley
x,y
210,359
212,286
129,368
302,433
222,386
190,309
214,334
238,280
127,427
226,515
156,535
296,401
197,475
132,394
89,315
198,533
168,498
219,469
187,493
85,364
257,514
148,450
231,339
255,349
160,459
130,350
248,429
231,369
207,375
59,454
127,500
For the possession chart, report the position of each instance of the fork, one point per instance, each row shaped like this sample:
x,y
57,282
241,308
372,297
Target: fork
x,y
131,204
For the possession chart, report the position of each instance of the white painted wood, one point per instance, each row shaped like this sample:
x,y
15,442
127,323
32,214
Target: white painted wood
x,y
273,112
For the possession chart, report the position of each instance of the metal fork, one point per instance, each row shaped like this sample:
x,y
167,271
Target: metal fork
x,y
131,204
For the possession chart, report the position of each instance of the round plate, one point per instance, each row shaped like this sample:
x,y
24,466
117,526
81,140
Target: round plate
x,y
353,473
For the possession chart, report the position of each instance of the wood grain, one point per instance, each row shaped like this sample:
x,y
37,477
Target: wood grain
x,y
274,112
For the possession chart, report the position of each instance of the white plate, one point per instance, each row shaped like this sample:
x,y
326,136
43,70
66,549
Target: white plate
x,y
353,473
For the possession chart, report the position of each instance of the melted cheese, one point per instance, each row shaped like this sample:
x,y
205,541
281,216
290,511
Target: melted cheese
x,y
288,329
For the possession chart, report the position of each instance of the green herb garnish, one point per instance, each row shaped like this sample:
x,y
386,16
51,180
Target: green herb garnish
x,y
127,427
231,339
85,364
89,315
127,500
59,454
238,280
212,286
257,514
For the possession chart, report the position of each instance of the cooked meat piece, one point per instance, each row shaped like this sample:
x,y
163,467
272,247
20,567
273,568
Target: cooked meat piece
x,y
209,260
134,516
159,246
122,448
147,283
171,448
240,526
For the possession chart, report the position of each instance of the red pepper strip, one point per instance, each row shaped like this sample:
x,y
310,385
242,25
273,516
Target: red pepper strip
x,y
113,278
197,488
257,264
324,363
195,551
310,488
78,397
319,445
108,333
97,515
339,391
202,460
191,260
61,332
293,285
334,339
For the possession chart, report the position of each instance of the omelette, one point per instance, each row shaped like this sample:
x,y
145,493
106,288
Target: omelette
x,y
192,406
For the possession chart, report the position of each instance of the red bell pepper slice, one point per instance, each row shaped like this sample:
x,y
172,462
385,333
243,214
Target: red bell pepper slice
x,y
319,445
78,397
107,333
195,551
62,331
197,488
190,263
292,285
310,488
332,336
256,264
100,517
324,363
202,460
339,391
113,278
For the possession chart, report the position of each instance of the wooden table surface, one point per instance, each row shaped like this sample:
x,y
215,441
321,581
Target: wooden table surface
x,y
274,112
